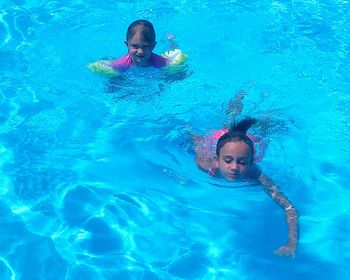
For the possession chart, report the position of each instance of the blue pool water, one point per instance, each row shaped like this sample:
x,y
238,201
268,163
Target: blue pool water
x,y
103,185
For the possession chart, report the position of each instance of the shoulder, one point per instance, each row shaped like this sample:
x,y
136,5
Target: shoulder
x,y
207,165
158,60
254,173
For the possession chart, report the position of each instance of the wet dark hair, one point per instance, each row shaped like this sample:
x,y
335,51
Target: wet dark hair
x,y
146,28
237,132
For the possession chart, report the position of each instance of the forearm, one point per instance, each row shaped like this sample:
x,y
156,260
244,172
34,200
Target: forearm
x,y
292,223
282,200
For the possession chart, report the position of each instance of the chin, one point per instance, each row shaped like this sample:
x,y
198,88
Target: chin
x,y
142,63
232,179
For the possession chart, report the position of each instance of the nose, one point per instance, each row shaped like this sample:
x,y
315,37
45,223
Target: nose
x,y
140,51
234,166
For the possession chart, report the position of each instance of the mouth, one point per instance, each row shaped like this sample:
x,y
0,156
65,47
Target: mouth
x,y
233,176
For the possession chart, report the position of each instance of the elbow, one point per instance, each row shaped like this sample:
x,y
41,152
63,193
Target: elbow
x,y
292,212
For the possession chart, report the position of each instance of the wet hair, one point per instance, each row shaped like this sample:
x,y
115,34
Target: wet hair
x,y
146,28
236,133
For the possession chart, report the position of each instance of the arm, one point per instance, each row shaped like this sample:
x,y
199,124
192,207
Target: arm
x,y
203,164
203,160
291,216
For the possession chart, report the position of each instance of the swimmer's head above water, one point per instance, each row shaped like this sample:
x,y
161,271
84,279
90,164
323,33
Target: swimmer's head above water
x,y
235,152
140,41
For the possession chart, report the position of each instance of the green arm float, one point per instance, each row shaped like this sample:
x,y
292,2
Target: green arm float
x,y
103,67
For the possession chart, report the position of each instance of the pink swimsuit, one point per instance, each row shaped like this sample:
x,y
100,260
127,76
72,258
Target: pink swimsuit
x,y
123,64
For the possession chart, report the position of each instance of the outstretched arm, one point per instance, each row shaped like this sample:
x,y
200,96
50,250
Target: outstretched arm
x,y
281,199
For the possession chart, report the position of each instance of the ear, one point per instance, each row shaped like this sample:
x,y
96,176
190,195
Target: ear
x,y
216,160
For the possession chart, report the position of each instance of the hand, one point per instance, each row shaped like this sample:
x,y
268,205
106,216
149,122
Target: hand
x,y
287,250
171,37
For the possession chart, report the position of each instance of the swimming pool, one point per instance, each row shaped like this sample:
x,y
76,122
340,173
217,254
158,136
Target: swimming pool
x,y
95,186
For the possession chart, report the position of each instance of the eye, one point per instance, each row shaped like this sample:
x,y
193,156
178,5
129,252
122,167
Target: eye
x,y
242,162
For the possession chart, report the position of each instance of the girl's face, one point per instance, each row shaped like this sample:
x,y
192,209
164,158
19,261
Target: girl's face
x,y
140,50
234,161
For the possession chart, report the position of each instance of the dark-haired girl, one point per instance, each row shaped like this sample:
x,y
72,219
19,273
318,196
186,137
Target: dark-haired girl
x,y
234,161
140,41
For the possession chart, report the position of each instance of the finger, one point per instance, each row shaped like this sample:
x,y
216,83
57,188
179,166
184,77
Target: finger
x,y
284,253
279,252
